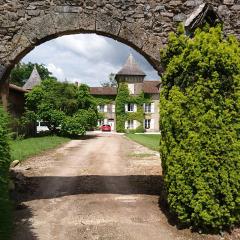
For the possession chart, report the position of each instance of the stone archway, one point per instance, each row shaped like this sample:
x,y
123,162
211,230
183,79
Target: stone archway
x,y
141,24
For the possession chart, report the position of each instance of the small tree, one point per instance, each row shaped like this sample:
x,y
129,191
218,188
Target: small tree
x,y
200,128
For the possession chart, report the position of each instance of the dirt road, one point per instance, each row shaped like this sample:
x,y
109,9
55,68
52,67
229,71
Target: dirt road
x,y
104,187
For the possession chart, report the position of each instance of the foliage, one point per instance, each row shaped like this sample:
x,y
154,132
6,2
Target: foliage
x,y
24,148
5,206
124,97
22,72
78,124
62,104
111,82
148,140
200,128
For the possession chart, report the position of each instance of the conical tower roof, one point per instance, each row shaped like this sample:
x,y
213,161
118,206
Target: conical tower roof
x,y
131,68
34,80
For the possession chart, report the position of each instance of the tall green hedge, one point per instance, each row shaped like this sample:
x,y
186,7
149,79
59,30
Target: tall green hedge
x,y
5,207
200,128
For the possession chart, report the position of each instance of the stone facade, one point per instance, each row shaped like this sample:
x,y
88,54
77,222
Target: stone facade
x,y
141,24
133,76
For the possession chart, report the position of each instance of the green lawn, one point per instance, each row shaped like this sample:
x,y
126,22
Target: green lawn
x,y
148,140
22,149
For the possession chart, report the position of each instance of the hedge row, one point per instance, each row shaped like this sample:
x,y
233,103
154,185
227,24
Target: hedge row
x,y
5,206
200,124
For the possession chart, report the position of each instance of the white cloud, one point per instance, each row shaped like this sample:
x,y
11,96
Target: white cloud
x,y
86,58
56,71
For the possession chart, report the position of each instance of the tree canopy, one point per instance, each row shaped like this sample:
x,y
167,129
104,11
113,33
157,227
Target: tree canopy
x,y
22,71
62,104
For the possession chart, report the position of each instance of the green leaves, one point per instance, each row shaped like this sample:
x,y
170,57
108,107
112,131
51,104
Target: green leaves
x,y
5,206
200,126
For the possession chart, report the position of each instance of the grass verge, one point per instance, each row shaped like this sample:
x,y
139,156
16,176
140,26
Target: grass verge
x,y
22,149
148,140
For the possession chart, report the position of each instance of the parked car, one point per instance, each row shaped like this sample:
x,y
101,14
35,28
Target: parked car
x,y
106,128
42,126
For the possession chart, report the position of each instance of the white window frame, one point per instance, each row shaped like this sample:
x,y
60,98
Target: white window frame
x,y
101,108
130,107
147,123
130,124
147,107
131,88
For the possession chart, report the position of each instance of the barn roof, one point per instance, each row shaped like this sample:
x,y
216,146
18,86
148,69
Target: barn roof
x,y
34,80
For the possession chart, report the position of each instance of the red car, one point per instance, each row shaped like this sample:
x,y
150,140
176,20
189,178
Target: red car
x,y
106,128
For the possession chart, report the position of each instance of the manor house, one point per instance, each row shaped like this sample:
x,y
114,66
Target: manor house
x,y
134,77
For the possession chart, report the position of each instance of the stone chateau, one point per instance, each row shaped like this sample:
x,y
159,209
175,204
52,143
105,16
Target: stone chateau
x,y
133,76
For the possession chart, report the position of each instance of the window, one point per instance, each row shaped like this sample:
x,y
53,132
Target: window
x,y
147,108
100,122
131,88
130,107
101,108
113,108
130,124
147,123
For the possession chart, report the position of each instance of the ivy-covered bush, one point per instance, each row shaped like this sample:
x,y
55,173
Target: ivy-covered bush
x,y
5,206
200,128
124,97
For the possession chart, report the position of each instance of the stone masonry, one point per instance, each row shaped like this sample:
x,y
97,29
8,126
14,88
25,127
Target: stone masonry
x,y
141,24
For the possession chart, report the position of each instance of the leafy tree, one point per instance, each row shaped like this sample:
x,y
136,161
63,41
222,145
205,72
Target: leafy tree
x,y
200,128
22,71
5,206
111,82
62,104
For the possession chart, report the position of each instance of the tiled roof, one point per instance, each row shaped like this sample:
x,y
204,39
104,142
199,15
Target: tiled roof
x,y
131,68
103,91
16,88
151,86
33,81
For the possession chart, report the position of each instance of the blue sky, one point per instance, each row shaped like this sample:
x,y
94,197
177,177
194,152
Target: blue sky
x,y
86,58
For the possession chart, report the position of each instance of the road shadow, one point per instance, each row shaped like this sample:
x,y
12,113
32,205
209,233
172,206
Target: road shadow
x,y
37,187
23,228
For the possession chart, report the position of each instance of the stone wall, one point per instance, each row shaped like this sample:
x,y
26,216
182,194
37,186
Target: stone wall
x,y
142,24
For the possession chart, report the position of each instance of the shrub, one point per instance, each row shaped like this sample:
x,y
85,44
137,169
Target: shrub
x,y
200,128
71,126
5,206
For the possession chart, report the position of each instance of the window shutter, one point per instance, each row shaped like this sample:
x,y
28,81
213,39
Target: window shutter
x,y
113,108
134,124
135,107
152,107
144,107
126,124
105,108
126,108
98,108
152,125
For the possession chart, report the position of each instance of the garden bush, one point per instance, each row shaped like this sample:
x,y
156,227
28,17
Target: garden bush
x,y
200,128
5,206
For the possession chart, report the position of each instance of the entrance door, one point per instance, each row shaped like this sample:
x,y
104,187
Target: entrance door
x,y
112,124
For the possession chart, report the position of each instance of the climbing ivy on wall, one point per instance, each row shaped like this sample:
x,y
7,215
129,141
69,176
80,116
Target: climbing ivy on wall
x,y
123,98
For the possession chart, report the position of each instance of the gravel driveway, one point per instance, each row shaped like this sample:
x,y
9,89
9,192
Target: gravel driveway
x,y
103,187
